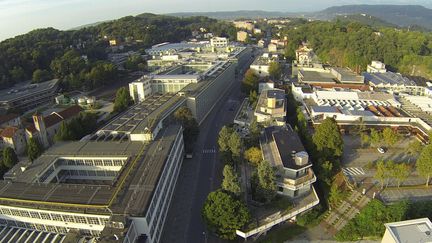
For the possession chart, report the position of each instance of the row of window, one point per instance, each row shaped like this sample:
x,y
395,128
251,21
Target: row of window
x,y
54,216
90,162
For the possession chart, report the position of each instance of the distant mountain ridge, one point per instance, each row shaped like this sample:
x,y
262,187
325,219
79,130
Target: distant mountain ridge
x,y
397,15
401,15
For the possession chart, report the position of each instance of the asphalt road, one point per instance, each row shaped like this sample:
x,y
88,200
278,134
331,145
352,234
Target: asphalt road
x,y
200,175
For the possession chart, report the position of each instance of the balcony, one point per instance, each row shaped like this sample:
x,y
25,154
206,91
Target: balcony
x,y
294,184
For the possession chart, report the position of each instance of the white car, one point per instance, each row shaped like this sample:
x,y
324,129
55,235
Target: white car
x,y
381,150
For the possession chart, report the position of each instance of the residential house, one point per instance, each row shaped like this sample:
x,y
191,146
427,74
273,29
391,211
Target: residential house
x,y
13,137
271,106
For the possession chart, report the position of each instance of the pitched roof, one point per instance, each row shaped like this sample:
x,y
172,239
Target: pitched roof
x,y
57,117
7,117
8,132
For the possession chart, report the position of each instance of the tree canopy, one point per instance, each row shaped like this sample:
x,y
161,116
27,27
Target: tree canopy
x,y
9,157
253,155
266,181
122,100
224,214
250,82
275,70
77,127
424,163
328,139
230,181
34,149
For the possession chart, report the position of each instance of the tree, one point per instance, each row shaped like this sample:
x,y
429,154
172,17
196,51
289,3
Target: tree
x,y
190,125
415,147
390,137
364,139
34,149
102,73
328,139
375,138
224,214
253,155
40,76
250,81
275,70
400,173
424,163
223,138
335,195
381,172
235,144
9,157
122,100
253,98
230,181
266,181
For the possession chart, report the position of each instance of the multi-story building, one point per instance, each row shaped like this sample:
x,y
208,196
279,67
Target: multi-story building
x,y
247,25
271,106
262,63
219,42
242,35
13,137
28,96
376,67
394,83
416,230
116,185
283,149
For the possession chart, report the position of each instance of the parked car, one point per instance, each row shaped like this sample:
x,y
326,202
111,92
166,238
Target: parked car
x,y
381,150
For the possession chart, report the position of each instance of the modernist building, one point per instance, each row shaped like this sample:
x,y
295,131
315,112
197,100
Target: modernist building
x,y
115,185
416,230
29,96
394,83
271,106
283,149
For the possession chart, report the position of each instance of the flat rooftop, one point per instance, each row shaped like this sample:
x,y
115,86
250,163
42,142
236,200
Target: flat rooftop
x,y
417,230
317,77
286,141
388,78
138,177
21,90
138,118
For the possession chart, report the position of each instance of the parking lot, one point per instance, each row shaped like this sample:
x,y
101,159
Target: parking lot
x,y
355,156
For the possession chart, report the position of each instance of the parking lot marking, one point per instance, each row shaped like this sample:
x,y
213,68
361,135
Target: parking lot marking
x,y
209,151
353,171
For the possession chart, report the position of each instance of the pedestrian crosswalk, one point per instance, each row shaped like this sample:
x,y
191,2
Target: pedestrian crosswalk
x,y
209,151
353,171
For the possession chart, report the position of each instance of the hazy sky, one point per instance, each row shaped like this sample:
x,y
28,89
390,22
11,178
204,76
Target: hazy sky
x,y
21,16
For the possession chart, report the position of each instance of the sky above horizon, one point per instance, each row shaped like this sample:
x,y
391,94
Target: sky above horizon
x,y
20,16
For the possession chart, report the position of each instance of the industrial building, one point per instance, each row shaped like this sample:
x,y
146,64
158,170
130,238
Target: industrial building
x,y
115,185
28,96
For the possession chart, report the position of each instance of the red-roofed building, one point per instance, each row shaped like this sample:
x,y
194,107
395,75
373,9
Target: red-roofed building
x,y
45,128
13,137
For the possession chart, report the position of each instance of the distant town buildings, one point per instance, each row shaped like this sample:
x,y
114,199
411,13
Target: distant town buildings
x,y
246,25
219,42
242,36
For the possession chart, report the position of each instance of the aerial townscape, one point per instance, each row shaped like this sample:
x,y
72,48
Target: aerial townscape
x,y
235,126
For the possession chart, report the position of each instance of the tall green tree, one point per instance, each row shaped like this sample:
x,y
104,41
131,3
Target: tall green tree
x,y
223,138
230,181
375,138
40,76
250,82
400,173
275,70
224,214
415,147
266,181
328,139
34,149
235,144
9,157
381,173
190,126
390,137
122,100
424,163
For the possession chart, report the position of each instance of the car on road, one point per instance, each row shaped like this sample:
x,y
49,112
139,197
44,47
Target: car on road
x,y
381,150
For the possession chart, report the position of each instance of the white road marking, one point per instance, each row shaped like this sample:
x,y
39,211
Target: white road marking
x,y
354,171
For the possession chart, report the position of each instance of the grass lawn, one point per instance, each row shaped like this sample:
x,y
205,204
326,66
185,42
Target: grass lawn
x,y
279,234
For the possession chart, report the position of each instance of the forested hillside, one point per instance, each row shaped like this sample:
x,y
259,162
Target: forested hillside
x,y
49,53
355,45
